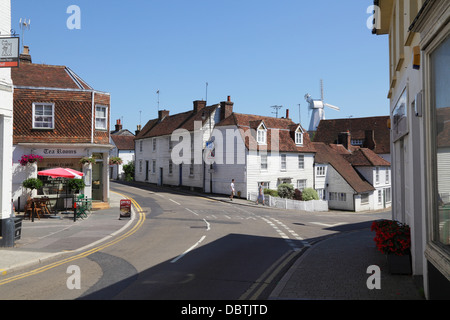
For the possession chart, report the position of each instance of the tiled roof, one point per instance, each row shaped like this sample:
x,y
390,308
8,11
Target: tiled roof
x,y
328,131
286,128
123,142
47,76
365,157
328,155
169,124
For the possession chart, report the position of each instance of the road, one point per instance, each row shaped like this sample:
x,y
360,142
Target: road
x,y
188,247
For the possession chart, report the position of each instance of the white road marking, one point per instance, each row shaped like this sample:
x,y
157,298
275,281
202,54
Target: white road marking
x,y
188,250
175,202
328,225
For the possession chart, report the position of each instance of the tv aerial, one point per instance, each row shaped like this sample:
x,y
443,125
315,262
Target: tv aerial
x,y
24,26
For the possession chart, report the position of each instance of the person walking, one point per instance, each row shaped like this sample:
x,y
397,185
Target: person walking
x,y
232,189
260,193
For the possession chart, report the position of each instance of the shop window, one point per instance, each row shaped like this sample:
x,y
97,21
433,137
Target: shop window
x,y
440,82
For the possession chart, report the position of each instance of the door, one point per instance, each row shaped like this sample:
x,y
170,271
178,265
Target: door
x,y
97,181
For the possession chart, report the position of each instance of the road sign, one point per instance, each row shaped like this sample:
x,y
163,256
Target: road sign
x,y
9,52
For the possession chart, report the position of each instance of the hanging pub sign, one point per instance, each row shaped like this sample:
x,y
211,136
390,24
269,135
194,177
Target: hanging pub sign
x,y
9,52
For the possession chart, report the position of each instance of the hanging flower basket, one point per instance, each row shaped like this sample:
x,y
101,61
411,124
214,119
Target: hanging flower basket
x,y
29,159
115,160
87,160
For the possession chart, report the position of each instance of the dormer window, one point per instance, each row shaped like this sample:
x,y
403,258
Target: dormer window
x,y
261,134
299,136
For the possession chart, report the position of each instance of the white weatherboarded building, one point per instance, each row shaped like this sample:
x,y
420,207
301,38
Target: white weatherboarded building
x,y
257,149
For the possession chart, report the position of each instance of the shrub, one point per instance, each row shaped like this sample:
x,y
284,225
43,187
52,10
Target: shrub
x,y
270,192
76,184
298,195
286,190
32,183
129,171
309,194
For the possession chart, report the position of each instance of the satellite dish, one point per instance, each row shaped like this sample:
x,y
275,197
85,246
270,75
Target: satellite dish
x,y
316,106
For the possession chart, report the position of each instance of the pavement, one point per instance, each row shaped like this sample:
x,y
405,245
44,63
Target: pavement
x,y
332,269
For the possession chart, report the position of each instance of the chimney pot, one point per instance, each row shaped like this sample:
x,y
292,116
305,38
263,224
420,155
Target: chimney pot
x,y
287,114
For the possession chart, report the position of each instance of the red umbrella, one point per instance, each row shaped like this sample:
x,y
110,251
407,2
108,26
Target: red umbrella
x,y
61,173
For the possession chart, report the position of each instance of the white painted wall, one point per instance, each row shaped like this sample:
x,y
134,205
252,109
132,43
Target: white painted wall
x,y
6,125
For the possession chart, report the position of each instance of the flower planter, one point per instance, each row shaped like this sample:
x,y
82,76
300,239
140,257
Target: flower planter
x,y
399,264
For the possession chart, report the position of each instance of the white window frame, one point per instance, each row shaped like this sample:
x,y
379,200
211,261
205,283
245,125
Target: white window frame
x,y
101,118
301,184
377,175
43,104
153,166
364,198
320,171
264,163
261,134
299,138
301,161
283,162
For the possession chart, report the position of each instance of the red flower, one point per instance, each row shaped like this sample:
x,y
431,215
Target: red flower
x,y
392,236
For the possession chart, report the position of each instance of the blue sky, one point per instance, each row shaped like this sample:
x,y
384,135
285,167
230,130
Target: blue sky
x,y
261,53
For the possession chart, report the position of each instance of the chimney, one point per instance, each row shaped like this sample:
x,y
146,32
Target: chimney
x,y
369,141
118,125
226,108
25,55
344,138
287,114
162,114
199,105
138,129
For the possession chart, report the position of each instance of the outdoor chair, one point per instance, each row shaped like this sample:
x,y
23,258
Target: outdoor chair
x,y
29,209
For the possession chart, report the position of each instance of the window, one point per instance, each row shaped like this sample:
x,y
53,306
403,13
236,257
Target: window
x,y
380,196
191,168
154,144
101,117
387,175
283,162
337,196
387,194
140,146
170,167
299,137
321,194
301,161
263,161
153,166
440,103
301,184
261,136
364,198
377,175
140,166
320,171
170,144
43,116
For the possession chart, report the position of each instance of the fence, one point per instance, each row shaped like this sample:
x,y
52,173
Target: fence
x,y
282,203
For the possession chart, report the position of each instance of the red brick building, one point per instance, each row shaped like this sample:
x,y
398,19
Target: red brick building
x,y
58,116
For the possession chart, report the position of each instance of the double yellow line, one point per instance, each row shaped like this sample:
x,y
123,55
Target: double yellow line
x,y
136,227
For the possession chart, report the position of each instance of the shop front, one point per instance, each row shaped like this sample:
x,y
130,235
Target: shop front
x,y
86,158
